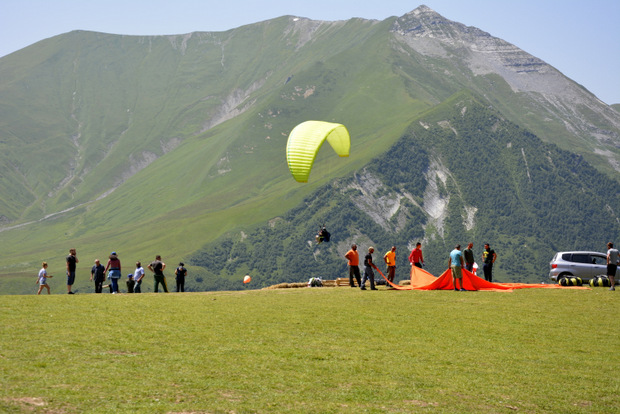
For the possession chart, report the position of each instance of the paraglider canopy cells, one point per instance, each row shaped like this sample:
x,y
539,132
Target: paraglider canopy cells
x,y
306,139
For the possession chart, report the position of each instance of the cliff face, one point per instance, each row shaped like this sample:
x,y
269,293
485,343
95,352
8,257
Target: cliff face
x,y
540,87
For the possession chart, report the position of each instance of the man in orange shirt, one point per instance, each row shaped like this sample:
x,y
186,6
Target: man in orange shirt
x,y
353,258
390,260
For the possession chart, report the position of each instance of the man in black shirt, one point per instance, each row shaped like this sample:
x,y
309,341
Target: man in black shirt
x,y
488,258
157,267
98,274
72,260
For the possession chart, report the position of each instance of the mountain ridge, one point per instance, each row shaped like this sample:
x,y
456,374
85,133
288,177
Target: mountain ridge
x,y
140,135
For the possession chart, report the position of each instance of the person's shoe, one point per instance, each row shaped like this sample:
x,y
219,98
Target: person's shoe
x,y
612,288
362,288
456,290
463,290
70,293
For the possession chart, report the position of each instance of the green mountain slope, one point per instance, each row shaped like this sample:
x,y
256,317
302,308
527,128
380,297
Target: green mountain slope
x,y
162,144
460,173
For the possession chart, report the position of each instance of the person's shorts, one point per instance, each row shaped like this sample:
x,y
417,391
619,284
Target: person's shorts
x,y
456,272
611,270
70,278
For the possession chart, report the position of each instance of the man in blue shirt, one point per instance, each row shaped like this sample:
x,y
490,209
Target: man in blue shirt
x,y
456,263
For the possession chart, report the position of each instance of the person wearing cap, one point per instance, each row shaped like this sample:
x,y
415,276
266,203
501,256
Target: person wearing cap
x,y
180,274
130,283
97,273
72,260
114,267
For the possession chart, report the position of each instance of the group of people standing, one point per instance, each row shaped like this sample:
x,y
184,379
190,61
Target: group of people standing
x,y
457,261
353,260
113,270
465,259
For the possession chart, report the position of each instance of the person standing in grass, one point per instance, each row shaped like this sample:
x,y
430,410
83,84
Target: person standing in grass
x,y
114,265
368,273
612,264
390,260
488,258
138,275
72,260
180,274
98,274
468,255
157,267
353,258
456,264
416,258
42,279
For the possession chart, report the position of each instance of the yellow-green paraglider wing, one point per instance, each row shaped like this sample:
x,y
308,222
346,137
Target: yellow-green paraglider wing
x,y
306,139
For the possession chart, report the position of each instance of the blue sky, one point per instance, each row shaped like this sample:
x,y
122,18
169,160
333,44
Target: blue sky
x,y
579,38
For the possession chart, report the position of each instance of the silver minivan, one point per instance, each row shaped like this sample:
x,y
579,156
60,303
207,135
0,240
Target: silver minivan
x,y
584,265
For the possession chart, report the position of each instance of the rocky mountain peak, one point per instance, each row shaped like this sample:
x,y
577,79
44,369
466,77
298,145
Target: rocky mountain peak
x,y
428,33
426,22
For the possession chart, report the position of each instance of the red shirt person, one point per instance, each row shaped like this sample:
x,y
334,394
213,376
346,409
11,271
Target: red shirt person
x,y
416,258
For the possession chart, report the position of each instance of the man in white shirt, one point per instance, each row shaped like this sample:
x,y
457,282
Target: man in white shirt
x,y
612,264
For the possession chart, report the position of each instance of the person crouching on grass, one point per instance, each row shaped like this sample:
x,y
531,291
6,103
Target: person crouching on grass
x,y
42,279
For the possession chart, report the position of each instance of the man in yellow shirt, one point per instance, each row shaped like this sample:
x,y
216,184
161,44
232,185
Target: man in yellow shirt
x,y
390,261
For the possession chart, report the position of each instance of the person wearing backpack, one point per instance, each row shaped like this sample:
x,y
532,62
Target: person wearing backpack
x,y
180,273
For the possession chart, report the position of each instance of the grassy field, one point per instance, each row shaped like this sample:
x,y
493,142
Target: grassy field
x,y
319,350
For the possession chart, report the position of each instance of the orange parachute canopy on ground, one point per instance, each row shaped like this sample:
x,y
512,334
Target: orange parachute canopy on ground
x,y
423,280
